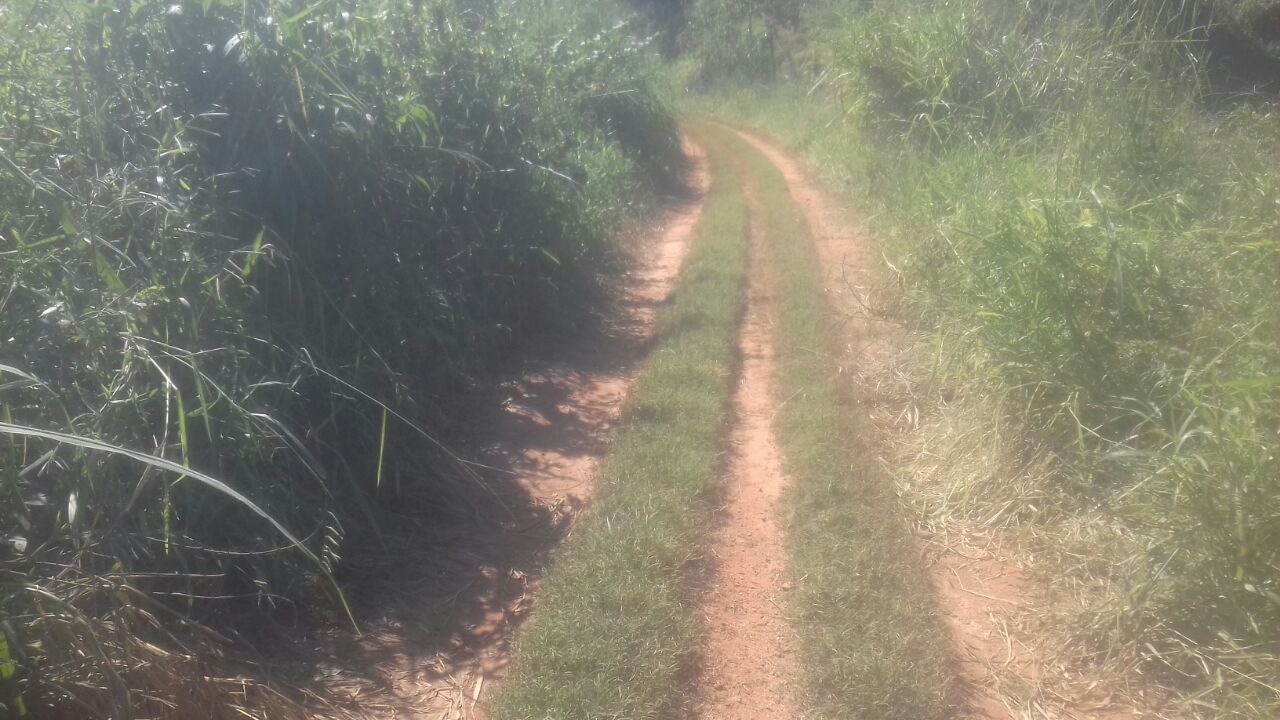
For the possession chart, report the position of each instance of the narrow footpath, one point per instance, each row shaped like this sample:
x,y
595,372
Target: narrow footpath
x,y
751,558
979,590
818,605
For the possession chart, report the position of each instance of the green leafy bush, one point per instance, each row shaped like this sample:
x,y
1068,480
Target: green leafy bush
x,y
733,41
261,239
1059,200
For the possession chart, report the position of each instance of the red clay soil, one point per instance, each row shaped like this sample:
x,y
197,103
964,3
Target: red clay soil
x,y
544,445
970,591
980,591
747,661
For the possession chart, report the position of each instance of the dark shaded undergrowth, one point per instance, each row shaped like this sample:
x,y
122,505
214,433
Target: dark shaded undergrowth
x,y
266,240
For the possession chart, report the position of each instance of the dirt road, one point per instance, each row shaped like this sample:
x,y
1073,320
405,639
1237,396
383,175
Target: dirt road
x,y
554,429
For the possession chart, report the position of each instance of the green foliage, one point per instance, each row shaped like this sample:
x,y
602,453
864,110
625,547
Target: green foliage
x,y
1059,203
732,40
237,237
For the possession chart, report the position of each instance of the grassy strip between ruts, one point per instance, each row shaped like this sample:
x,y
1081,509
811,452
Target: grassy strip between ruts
x,y
871,639
614,624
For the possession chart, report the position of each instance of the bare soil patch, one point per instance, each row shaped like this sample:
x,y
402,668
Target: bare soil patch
x,y
747,661
445,597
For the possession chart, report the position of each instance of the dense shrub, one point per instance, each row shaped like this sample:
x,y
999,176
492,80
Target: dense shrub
x,y
260,239
1062,204
732,41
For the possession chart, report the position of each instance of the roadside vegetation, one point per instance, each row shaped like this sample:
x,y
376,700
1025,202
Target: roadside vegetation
x,y
1076,204
249,250
615,627
256,256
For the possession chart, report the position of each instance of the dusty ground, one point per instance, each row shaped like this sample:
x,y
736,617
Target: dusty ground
x,y
747,661
453,596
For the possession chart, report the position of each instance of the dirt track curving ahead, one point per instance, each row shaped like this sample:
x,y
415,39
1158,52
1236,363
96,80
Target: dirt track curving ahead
x,y
554,429
846,261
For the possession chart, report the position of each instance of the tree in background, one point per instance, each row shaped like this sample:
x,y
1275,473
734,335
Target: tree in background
x,y
751,39
667,19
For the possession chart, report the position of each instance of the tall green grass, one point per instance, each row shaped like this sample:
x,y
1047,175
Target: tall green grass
x,y
1090,233
263,240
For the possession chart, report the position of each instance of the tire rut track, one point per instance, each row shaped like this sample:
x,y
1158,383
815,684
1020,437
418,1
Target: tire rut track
x,y
748,661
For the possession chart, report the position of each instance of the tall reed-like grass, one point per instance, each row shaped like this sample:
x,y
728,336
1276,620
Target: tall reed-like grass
x,y
246,249
1068,201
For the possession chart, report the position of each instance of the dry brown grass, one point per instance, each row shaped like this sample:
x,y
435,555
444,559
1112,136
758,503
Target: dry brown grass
x,y
984,491
183,675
